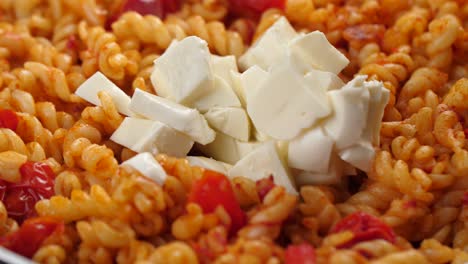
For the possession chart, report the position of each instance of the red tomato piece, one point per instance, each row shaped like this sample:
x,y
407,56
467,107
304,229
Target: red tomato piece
x,y
3,189
364,227
20,202
465,199
144,7
254,7
171,6
8,119
39,176
299,254
213,190
37,183
32,233
264,186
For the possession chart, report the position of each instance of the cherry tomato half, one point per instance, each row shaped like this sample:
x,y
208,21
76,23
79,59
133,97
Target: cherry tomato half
x,y
32,233
213,190
37,183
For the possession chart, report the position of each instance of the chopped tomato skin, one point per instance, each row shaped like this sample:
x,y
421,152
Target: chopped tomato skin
x,y
158,8
299,254
8,119
264,186
252,8
213,190
37,183
365,227
465,199
32,233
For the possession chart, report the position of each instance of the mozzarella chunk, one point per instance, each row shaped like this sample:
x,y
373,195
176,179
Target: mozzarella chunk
x,y
359,155
227,149
231,121
332,176
209,164
238,88
261,163
282,106
147,165
314,50
184,72
98,82
323,81
311,151
222,67
262,137
142,135
220,96
379,97
179,117
270,47
251,80
351,107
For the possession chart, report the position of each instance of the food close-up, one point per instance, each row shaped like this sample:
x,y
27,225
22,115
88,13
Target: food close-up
x,y
234,131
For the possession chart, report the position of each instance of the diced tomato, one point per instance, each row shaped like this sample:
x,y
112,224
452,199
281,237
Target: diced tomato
x,y
171,6
32,233
145,7
3,189
72,43
364,227
213,190
299,254
465,199
249,8
8,119
39,176
264,186
20,202
37,183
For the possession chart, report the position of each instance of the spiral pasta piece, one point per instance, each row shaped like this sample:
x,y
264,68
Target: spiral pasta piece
x,y
80,205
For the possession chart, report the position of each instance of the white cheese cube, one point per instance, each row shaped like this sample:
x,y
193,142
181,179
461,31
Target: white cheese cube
x,y
227,149
231,121
314,50
282,106
262,137
98,82
222,95
238,88
332,176
183,72
246,84
311,151
209,164
270,47
142,135
222,67
251,80
147,165
261,163
346,125
379,97
323,81
359,155
179,117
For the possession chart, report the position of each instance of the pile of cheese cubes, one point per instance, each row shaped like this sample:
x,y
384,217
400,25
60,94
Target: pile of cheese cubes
x,y
287,115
